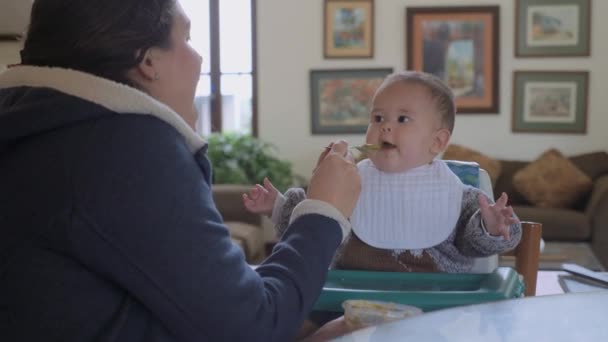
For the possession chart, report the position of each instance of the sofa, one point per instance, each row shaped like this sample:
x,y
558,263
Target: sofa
x,y
583,219
246,229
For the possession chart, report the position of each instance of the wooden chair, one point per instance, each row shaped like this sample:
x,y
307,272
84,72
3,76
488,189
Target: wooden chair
x,y
527,255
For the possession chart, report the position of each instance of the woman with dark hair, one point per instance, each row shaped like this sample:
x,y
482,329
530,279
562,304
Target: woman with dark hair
x,y
109,230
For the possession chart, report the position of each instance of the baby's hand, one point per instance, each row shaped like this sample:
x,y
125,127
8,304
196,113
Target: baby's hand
x,y
260,199
497,217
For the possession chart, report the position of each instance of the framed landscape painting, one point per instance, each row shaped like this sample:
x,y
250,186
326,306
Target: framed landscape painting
x,y
460,45
348,29
552,28
340,99
550,101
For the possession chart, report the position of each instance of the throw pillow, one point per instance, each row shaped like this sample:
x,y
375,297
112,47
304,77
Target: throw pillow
x,y
552,181
458,152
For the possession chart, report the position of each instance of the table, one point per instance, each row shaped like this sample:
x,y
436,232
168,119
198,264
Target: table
x,y
567,317
547,283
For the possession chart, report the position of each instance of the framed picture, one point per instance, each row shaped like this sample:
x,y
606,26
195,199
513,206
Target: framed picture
x,y
552,28
460,45
349,29
340,99
550,101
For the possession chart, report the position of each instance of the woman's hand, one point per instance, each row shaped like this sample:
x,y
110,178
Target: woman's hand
x,y
336,180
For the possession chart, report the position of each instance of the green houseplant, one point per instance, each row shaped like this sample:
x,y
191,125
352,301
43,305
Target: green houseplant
x,y
244,159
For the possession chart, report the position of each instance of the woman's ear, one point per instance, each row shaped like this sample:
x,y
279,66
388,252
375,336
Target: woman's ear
x,y
147,67
440,141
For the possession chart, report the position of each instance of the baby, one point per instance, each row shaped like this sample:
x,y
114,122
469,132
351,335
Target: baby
x,y
414,214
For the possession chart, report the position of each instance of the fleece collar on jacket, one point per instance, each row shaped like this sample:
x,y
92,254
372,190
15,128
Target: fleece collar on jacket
x,y
114,96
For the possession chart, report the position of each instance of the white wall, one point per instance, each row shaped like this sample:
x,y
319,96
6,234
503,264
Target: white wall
x,y
9,53
290,44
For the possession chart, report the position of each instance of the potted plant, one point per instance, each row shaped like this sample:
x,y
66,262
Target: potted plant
x,y
244,159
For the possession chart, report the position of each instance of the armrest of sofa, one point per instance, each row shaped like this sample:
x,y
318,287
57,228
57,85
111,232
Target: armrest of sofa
x,y
599,197
245,228
229,202
597,212
250,238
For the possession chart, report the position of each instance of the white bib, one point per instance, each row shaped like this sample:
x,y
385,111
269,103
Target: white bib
x,y
411,210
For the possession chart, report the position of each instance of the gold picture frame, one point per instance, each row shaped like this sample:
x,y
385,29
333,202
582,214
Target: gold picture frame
x,y
460,45
348,29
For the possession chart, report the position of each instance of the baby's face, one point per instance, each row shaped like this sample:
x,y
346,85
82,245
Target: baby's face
x,y
404,121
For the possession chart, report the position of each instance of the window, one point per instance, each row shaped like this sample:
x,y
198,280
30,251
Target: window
x,y
224,34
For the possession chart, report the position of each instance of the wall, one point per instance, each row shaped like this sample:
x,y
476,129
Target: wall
x,y
290,44
9,53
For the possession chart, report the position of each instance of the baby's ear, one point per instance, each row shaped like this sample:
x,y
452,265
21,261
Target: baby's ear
x,y
441,140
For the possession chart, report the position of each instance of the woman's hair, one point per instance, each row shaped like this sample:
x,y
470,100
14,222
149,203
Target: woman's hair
x,y
105,38
440,93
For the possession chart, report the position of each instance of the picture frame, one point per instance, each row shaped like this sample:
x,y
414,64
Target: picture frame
x,y
348,30
552,28
461,46
550,101
340,99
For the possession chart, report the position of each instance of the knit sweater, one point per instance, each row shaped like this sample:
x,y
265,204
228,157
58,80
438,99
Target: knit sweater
x,y
468,240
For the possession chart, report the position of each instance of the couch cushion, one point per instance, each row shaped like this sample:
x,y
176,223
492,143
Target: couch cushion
x,y
593,164
552,181
505,182
558,224
458,152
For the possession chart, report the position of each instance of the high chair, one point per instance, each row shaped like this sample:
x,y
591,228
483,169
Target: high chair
x,y
432,291
526,253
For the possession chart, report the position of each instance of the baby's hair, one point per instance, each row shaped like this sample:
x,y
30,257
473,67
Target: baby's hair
x,y
440,93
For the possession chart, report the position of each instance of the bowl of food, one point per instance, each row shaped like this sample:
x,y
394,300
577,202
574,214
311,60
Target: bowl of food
x,y
364,313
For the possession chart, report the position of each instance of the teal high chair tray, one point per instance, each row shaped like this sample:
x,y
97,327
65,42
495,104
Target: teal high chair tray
x,y
428,291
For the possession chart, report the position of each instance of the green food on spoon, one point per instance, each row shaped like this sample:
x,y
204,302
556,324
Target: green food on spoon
x,y
367,147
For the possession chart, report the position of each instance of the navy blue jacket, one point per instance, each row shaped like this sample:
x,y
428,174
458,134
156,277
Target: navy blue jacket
x,y
108,232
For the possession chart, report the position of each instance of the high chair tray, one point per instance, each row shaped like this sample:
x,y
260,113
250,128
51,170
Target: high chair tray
x,y
428,291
